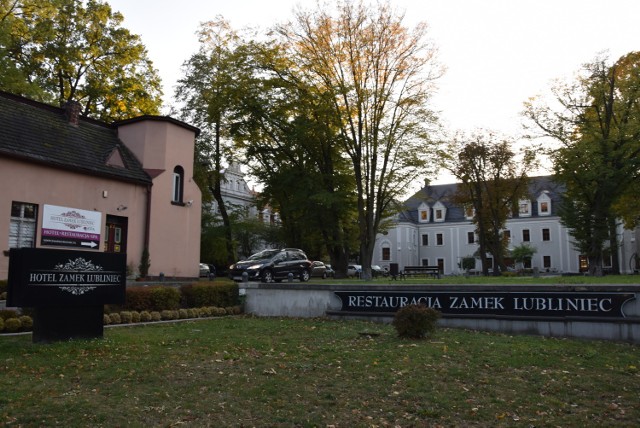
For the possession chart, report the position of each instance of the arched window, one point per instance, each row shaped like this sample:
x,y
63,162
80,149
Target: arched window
x,y
178,185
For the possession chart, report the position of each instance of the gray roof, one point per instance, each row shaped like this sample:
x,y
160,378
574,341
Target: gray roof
x,y
36,132
455,213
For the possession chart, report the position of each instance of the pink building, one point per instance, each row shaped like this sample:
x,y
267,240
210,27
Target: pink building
x,y
74,183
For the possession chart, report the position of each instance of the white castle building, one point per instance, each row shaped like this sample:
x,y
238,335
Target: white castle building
x,y
432,231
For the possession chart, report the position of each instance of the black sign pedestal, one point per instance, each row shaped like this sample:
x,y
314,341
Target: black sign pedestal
x,y
60,323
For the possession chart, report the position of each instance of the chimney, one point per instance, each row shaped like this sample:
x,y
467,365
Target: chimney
x,y
72,112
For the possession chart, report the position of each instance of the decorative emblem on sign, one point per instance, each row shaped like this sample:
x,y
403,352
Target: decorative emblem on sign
x,y
79,264
77,291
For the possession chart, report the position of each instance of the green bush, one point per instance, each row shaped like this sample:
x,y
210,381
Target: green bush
x,y
4,284
1,325
145,316
135,316
126,317
106,319
415,321
26,321
115,318
5,314
198,295
155,316
156,298
168,315
12,325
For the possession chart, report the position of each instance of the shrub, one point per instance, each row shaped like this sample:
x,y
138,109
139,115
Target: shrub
x,y
106,319
5,314
197,295
126,317
155,298
12,325
155,316
168,315
145,316
1,325
4,285
183,314
135,316
415,321
115,318
27,322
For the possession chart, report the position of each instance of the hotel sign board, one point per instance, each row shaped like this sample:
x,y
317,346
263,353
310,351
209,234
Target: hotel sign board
x,y
508,304
71,227
41,277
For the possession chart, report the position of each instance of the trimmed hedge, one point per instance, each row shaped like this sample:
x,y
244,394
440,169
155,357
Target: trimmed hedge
x,y
156,298
209,294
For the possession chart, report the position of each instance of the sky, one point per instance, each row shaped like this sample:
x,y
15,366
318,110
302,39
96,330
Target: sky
x,y
497,53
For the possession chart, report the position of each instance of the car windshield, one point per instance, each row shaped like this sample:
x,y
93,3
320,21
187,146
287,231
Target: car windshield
x,y
262,255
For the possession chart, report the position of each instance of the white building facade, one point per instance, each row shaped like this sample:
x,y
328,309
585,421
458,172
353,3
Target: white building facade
x,y
432,231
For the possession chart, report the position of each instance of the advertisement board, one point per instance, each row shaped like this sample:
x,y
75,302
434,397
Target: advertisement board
x,y
71,227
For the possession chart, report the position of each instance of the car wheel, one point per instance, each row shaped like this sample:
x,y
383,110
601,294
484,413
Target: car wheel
x,y
304,275
267,275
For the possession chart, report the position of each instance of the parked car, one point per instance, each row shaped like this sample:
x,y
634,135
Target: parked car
x,y
330,272
377,271
273,265
354,271
204,269
319,269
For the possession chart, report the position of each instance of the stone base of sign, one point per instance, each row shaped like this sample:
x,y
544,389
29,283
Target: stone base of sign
x,y
609,312
61,323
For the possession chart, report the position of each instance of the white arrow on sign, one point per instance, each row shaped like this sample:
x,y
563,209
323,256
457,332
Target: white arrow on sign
x,y
89,244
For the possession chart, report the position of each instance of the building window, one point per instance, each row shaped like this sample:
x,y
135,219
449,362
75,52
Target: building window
x,y
386,253
425,262
506,235
439,215
439,239
22,226
425,240
178,185
546,235
544,208
469,212
471,238
524,208
546,262
525,235
441,265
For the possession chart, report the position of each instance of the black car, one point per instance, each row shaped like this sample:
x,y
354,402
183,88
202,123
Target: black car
x,y
273,265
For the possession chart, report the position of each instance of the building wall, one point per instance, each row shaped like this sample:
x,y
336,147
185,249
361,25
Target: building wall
x,y
174,240
407,249
40,185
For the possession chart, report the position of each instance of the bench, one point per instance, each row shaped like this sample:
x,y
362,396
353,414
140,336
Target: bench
x,y
421,270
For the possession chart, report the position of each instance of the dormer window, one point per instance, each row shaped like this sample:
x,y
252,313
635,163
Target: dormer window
x,y
423,213
178,185
524,209
544,204
439,212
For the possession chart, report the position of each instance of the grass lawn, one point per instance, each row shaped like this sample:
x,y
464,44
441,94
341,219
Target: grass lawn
x,y
249,371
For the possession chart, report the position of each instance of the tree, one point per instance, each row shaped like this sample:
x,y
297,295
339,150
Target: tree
x,y
290,136
211,91
64,50
597,123
379,77
493,180
522,253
